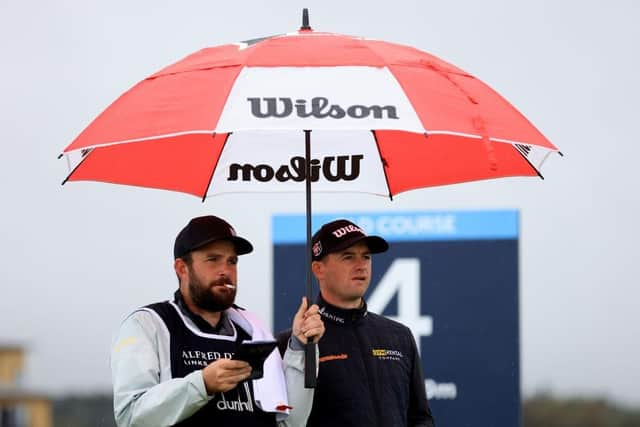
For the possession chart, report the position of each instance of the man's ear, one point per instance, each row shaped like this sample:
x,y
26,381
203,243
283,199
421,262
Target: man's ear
x,y
180,267
317,268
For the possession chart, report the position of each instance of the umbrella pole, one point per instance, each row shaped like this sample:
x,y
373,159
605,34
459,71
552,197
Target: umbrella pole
x,y
310,350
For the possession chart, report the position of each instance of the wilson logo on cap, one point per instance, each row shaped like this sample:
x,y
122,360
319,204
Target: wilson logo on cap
x,y
347,229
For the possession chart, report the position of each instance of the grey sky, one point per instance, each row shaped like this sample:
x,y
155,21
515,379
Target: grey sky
x,y
76,259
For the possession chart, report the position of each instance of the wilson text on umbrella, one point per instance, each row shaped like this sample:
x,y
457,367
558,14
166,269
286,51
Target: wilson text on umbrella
x,y
319,107
295,170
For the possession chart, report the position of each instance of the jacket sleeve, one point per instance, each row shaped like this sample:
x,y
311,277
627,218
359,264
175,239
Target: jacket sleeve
x,y
300,398
141,396
419,412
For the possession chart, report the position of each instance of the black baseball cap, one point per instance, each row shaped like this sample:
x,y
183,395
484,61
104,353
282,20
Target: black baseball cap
x,y
340,234
206,229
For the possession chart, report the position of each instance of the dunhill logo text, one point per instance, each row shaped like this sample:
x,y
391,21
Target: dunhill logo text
x,y
319,108
235,405
296,170
239,400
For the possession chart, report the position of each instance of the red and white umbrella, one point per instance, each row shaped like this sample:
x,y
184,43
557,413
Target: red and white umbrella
x,y
348,113
385,118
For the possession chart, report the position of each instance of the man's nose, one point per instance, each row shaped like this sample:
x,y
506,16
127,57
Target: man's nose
x,y
224,269
362,263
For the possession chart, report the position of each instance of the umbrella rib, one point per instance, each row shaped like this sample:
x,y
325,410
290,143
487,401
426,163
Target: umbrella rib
x,y
77,166
523,152
384,163
213,170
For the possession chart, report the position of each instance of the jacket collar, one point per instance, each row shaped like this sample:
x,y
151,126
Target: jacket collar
x,y
339,315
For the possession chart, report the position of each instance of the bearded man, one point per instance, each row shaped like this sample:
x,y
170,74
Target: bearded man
x,y
172,361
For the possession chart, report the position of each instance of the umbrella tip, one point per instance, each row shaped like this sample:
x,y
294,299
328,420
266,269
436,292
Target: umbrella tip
x,y
305,20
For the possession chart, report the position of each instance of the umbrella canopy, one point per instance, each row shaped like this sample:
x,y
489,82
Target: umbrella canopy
x,y
282,113
386,118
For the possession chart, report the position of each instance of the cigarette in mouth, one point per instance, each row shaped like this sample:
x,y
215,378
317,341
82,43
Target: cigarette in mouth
x,y
230,286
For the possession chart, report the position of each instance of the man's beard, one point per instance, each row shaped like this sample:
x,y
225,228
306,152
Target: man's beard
x,y
207,299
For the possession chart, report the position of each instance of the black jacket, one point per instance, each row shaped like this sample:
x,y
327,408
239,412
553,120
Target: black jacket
x,y
370,372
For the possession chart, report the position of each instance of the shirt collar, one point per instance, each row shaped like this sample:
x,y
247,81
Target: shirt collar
x,y
222,328
341,315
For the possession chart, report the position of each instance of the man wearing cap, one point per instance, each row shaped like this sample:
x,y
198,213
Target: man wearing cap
x,y
172,361
370,371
